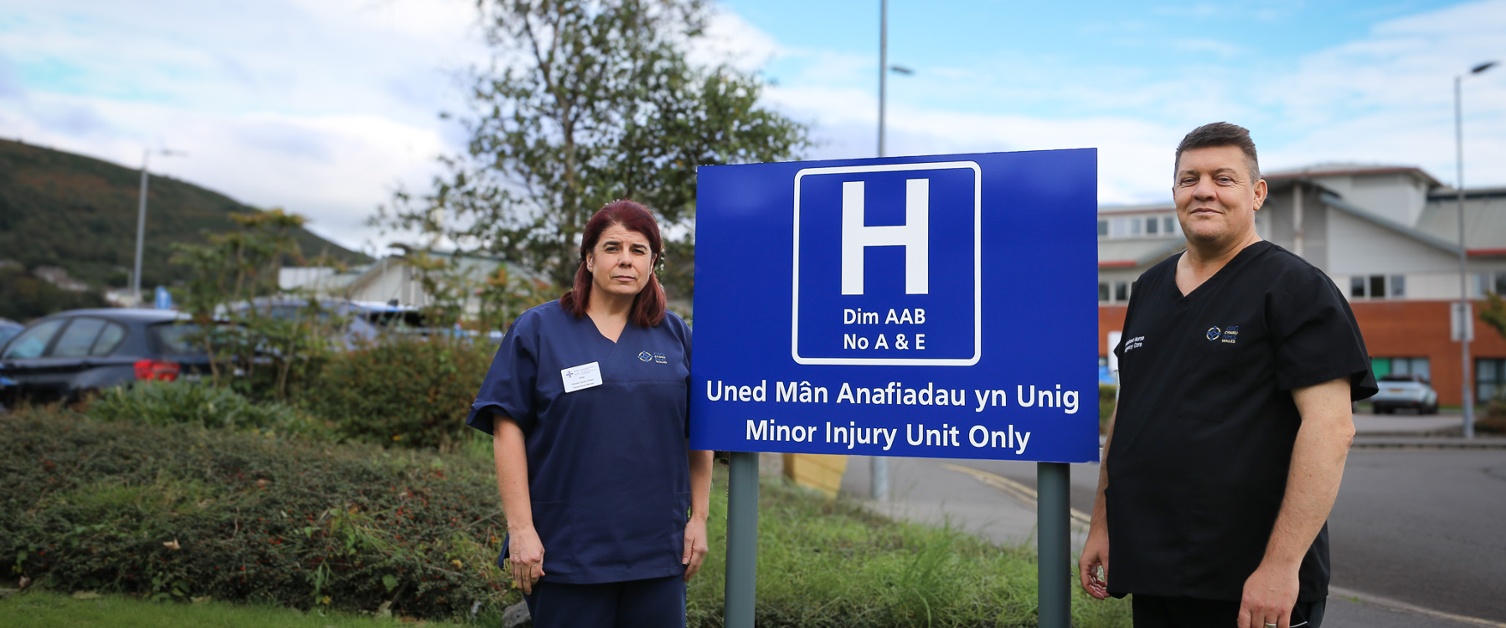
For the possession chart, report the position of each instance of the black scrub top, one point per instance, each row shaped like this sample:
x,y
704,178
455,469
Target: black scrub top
x,y
608,473
1205,426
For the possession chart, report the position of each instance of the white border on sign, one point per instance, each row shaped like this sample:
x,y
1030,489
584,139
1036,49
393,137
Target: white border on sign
x,y
977,268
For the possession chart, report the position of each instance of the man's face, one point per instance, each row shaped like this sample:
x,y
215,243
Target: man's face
x,y
1216,200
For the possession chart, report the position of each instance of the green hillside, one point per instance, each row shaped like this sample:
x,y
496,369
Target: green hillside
x,y
79,213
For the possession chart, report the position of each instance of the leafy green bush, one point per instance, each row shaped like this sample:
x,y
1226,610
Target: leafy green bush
x,y
182,403
1108,394
405,391
179,513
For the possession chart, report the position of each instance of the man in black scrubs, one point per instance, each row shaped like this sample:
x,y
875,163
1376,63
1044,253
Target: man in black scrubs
x,y
1238,364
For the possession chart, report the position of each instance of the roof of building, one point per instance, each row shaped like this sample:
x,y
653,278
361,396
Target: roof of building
x,y
1333,200
1144,208
1484,223
1349,169
1437,225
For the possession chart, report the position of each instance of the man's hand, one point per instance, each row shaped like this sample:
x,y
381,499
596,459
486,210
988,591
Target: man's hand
x,y
1270,593
525,558
1093,567
695,547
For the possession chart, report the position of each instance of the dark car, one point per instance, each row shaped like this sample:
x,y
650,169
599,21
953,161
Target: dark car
x,y
68,355
9,329
1405,391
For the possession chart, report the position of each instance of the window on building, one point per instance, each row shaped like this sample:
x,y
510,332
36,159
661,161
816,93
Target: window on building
x,y
1378,286
1401,366
1489,282
1113,291
1158,225
1490,379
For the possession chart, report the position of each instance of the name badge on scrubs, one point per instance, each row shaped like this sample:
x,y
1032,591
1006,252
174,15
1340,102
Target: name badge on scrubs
x,y
587,375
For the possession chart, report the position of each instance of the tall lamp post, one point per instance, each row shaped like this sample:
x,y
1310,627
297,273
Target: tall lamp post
x,y
879,469
141,217
1466,314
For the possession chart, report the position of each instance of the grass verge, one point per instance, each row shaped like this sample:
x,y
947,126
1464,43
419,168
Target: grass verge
x,y
830,563
41,609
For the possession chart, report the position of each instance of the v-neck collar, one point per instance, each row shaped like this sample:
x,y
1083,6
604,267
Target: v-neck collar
x,y
1234,262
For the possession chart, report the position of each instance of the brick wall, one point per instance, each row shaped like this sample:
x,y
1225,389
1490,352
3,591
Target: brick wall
x,y
1392,329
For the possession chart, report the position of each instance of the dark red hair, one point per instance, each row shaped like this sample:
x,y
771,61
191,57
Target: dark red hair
x,y
648,306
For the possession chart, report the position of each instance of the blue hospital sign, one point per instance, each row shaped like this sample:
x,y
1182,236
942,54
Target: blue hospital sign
x,y
845,217
913,306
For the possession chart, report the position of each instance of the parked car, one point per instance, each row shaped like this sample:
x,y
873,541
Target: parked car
x,y
69,355
354,322
1405,391
9,329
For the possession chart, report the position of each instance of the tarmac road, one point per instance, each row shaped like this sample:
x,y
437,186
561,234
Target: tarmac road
x,y
1416,532
1424,526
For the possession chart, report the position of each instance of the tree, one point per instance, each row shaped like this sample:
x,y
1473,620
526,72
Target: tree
x,y
588,101
1494,313
226,277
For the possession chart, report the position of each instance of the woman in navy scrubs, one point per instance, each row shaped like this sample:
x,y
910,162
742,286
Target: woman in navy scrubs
x,y
587,402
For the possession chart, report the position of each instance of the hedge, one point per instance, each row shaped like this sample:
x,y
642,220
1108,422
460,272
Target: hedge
x,y
181,512
410,392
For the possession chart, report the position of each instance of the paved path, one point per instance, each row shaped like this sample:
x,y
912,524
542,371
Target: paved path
x,y
976,496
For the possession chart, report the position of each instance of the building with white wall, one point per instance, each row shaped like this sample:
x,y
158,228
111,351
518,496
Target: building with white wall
x,y
1387,236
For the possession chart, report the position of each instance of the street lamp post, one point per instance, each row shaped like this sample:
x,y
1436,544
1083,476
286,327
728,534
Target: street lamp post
x,y
141,219
1466,314
879,469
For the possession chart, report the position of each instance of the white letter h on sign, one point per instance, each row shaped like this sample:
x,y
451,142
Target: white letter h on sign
x,y
914,235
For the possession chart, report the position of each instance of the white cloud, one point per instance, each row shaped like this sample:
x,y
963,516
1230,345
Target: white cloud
x,y
731,39
323,106
1383,97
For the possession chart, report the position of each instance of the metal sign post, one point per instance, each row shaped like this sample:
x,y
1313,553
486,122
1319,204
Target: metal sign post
x,y
1054,552
742,539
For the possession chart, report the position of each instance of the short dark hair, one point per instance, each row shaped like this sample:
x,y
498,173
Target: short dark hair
x,y
649,305
1216,134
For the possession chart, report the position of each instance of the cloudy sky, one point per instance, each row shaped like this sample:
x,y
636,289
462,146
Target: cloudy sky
x,y
324,107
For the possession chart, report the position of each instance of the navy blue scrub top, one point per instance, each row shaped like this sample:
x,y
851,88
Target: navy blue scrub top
x,y
607,467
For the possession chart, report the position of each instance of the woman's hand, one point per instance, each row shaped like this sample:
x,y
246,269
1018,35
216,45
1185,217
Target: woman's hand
x,y
695,546
525,558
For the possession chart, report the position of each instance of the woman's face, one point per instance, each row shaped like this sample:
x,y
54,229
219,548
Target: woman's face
x,y
621,262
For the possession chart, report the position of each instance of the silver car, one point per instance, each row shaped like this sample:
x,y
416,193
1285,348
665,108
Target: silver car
x,y
1405,391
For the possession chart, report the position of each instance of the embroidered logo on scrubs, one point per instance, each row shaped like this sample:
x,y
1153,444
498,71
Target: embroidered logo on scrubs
x,y
659,359
1231,334
1213,333
644,356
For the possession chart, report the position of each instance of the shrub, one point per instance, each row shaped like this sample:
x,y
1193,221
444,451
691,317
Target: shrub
x,y
1108,394
403,391
179,513
182,403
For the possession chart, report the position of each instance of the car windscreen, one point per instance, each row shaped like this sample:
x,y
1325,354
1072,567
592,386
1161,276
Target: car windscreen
x,y
32,342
